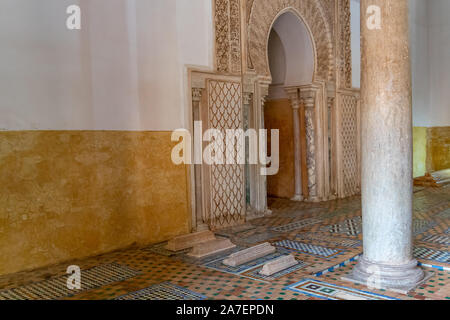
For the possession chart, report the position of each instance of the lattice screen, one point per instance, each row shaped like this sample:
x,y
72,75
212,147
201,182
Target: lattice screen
x,y
349,144
227,192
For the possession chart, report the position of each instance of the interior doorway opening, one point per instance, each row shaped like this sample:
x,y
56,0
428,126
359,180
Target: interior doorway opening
x,y
292,64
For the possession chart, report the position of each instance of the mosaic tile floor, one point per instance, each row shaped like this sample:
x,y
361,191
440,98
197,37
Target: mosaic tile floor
x,y
325,239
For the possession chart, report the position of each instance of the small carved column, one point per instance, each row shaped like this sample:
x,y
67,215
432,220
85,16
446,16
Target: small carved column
x,y
308,96
247,102
198,222
387,191
263,179
332,145
258,187
295,103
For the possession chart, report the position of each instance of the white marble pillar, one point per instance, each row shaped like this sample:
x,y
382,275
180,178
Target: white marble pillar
x,y
295,103
198,221
386,149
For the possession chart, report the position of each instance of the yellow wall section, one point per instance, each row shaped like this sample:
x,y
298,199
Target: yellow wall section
x,y
420,151
438,148
73,194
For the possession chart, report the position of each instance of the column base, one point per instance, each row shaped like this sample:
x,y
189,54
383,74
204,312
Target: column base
x,y
314,199
201,227
253,214
399,278
298,198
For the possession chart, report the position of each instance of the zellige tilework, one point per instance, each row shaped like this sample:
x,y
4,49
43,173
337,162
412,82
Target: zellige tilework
x,y
308,248
56,288
327,251
330,291
163,291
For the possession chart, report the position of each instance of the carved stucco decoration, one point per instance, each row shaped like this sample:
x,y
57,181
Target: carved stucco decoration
x,y
228,36
264,13
344,41
227,181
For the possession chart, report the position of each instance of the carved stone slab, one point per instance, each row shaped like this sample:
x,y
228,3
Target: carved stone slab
x,y
278,265
209,248
189,240
250,254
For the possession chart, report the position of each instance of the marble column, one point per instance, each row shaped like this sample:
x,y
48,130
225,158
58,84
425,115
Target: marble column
x,y
295,103
198,222
386,120
247,101
308,96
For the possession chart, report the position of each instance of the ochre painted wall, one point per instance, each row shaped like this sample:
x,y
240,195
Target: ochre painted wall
x,y
438,148
420,151
73,194
278,115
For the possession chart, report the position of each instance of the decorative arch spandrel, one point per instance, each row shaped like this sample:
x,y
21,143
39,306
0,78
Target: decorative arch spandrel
x,y
263,13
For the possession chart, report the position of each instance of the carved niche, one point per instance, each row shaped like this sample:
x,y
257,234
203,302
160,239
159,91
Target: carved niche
x,y
262,15
241,29
328,21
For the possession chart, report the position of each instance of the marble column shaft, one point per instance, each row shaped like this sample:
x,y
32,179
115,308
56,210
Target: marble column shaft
x,y
386,119
295,103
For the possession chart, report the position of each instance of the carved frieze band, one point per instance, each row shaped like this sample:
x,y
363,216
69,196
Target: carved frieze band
x,y
344,39
228,36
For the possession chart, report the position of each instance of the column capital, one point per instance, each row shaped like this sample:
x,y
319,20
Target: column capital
x,y
330,101
292,93
247,97
197,94
308,96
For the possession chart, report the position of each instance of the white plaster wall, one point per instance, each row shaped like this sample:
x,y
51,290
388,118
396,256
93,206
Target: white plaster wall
x,y
430,59
125,70
439,54
420,62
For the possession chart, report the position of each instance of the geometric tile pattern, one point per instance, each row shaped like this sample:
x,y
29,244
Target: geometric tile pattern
x,y
234,231
340,265
348,136
431,254
435,289
440,239
440,268
56,288
163,291
343,242
296,225
421,226
156,266
351,227
258,237
444,214
308,248
226,182
329,291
